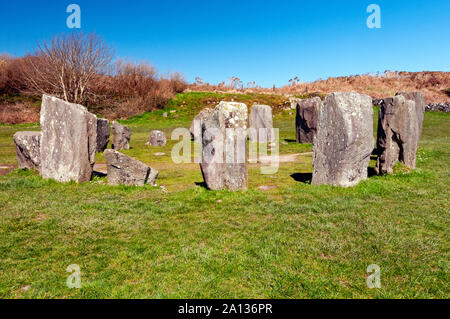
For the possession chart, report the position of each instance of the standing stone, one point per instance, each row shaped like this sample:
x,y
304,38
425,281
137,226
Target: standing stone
x,y
125,170
419,100
157,138
399,126
28,151
306,119
224,147
196,126
68,141
103,132
261,118
121,138
344,140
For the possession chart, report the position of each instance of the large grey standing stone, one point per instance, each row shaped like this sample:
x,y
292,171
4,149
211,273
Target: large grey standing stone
x,y
399,126
261,118
121,137
196,126
103,133
224,147
419,100
306,119
68,141
344,140
157,138
28,151
125,170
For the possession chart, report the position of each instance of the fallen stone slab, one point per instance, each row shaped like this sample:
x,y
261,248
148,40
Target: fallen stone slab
x,y
344,140
157,138
399,125
103,133
28,150
121,137
125,170
261,124
224,147
306,119
68,141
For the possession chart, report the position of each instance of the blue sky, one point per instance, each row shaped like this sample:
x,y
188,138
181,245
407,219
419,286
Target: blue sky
x,y
264,41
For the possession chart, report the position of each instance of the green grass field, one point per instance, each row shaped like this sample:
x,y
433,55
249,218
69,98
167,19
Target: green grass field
x,y
293,241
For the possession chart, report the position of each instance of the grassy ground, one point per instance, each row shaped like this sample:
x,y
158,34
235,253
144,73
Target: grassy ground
x,y
293,241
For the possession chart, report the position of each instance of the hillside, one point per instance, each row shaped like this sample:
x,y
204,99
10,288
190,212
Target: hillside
x,y
20,108
434,85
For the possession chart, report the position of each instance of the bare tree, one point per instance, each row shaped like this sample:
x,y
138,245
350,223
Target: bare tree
x,y
236,83
4,62
67,66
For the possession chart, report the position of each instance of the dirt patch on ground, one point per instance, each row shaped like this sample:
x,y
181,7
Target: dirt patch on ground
x,y
5,169
287,158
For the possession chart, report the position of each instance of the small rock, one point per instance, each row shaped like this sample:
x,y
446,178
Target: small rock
x,y
157,138
121,138
164,189
266,187
164,114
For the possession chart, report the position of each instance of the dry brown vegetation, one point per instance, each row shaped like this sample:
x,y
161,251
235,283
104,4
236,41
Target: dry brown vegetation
x,y
78,69
132,89
435,85
18,113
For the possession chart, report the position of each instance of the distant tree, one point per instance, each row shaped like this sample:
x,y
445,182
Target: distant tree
x,y
251,85
198,81
4,62
236,83
67,66
294,81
